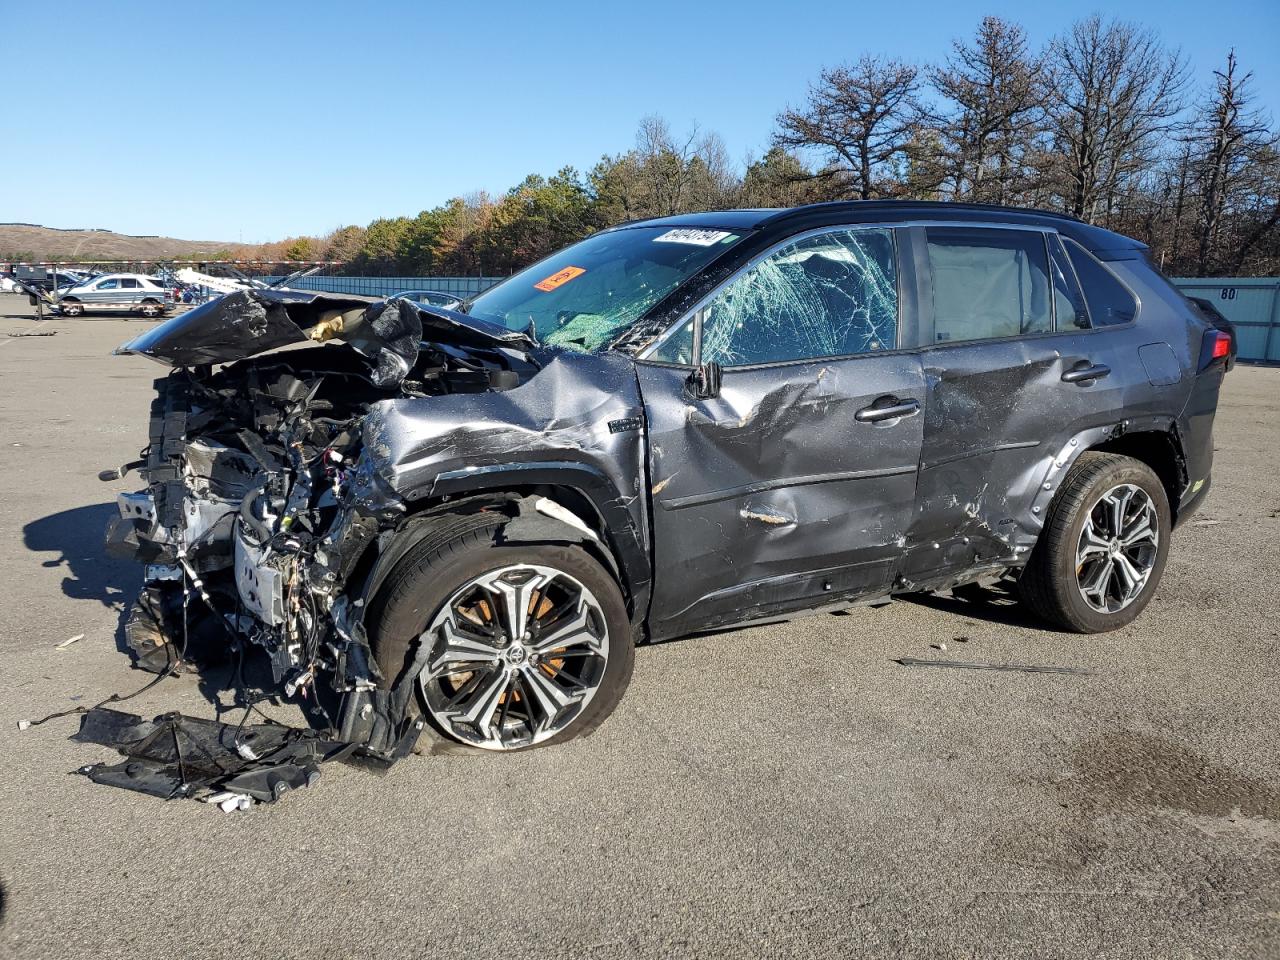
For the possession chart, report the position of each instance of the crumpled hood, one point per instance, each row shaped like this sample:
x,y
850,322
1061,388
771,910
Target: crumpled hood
x,y
249,322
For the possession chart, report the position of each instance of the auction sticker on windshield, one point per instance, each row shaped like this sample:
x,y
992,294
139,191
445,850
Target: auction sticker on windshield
x,y
559,278
698,238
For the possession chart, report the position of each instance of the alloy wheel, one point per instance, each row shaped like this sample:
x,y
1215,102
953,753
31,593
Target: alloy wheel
x,y
516,654
1117,548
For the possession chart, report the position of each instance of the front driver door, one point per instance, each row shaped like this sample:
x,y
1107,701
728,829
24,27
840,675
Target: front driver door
x,y
101,292
794,485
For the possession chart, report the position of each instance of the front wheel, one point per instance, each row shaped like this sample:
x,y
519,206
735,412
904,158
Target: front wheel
x,y
1103,548
70,308
529,644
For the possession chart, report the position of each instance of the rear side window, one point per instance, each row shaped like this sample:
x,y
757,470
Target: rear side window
x,y
1110,301
129,284
988,283
1068,301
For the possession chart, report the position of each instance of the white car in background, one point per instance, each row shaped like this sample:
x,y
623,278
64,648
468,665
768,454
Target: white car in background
x,y
115,293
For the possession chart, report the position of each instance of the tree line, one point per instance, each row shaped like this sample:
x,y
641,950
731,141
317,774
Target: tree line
x,y
1103,122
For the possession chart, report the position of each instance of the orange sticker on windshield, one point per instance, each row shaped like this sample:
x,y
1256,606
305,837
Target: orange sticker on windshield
x,y
559,278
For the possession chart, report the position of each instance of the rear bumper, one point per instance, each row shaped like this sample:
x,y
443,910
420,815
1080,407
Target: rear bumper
x,y
1192,499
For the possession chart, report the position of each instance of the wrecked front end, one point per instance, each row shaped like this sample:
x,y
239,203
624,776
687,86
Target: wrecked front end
x,y
292,442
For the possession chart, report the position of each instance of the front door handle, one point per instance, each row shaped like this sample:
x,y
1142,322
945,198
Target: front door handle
x,y
1085,372
887,408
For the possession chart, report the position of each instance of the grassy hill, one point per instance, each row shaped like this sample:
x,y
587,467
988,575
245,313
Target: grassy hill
x,y
20,241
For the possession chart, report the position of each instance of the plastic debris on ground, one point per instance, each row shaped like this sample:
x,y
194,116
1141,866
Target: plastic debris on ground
x,y
176,756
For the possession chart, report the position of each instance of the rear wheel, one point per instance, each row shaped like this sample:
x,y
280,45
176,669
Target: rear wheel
x,y
1103,548
151,309
530,644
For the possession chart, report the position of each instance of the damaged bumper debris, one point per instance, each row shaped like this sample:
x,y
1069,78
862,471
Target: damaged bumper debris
x,y
174,756
271,501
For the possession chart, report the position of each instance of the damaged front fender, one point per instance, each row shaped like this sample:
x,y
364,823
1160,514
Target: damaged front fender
x,y
577,424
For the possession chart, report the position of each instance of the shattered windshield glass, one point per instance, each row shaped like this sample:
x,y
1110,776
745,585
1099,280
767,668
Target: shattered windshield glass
x,y
586,294
828,295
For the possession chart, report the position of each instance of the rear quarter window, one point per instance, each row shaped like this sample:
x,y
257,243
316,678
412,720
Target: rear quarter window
x,y
1110,302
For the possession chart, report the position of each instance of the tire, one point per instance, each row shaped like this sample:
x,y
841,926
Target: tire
x,y
425,587
151,309
71,309
1061,588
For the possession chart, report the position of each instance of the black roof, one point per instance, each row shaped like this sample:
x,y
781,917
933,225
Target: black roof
x,y
869,211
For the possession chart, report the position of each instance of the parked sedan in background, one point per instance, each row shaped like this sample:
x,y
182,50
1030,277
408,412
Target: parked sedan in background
x,y
116,293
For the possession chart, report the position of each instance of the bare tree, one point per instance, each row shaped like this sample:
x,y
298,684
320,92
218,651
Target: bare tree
x,y
1113,91
861,118
1226,135
1255,217
780,179
664,174
996,87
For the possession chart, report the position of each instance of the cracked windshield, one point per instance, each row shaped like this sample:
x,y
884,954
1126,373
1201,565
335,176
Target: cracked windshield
x,y
582,297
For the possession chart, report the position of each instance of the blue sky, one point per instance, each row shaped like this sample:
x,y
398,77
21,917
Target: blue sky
x,y
252,121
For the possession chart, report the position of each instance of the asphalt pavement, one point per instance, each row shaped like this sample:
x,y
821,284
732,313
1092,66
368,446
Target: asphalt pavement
x,y
781,791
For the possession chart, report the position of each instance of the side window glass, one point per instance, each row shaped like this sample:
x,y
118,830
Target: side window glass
x,y
1068,301
828,295
988,283
677,348
1110,301
129,284
108,285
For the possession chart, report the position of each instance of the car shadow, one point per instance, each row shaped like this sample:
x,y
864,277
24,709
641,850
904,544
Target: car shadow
x,y
75,540
989,604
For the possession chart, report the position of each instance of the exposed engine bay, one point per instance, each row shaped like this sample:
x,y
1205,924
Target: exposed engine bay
x,y
251,472
261,499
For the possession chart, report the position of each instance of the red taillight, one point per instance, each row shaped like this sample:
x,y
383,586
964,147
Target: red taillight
x,y
1214,348
1221,344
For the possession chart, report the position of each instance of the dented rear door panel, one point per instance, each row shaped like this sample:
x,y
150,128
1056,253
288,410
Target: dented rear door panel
x,y
774,495
999,416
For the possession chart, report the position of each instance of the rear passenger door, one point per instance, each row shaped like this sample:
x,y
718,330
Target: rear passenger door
x,y
1014,368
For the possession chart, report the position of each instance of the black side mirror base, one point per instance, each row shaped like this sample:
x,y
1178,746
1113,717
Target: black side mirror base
x,y
704,381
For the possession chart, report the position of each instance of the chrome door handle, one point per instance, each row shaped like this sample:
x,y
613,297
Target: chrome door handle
x,y
1084,372
898,408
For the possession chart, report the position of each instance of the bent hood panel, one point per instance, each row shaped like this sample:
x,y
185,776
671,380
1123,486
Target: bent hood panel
x,y
250,322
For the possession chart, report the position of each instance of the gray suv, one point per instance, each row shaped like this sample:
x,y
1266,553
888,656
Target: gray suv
x,y
459,523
